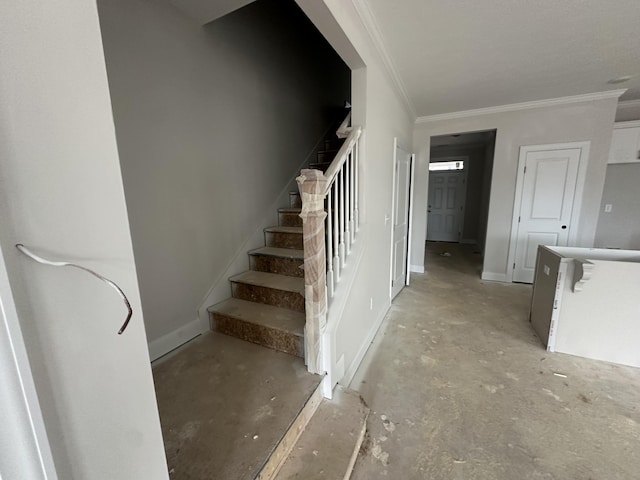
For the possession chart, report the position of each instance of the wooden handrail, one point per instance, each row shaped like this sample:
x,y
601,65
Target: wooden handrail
x,y
336,191
344,129
341,157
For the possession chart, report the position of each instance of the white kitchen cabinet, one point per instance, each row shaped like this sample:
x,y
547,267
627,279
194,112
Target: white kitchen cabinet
x,y
625,143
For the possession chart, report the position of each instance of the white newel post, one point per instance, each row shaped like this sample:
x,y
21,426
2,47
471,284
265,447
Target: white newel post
x,y
312,184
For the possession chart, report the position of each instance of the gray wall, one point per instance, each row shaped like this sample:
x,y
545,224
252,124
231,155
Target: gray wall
x,y
592,121
211,122
61,194
486,192
621,227
628,111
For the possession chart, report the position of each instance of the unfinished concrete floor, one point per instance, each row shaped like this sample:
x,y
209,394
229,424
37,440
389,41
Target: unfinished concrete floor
x,y
460,387
225,404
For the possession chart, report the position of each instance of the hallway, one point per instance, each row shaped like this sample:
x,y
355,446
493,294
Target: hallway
x,y
460,387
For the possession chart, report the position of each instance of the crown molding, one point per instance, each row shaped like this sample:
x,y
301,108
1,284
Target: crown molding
x,y
370,23
550,102
629,104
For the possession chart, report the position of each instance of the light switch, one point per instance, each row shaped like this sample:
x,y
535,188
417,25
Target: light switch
x,y
608,207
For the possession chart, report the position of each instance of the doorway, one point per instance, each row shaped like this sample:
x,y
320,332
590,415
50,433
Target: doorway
x,y
460,169
447,192
403,173
549,186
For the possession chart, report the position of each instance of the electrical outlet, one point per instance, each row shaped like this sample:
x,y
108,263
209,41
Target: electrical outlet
x,y
608,207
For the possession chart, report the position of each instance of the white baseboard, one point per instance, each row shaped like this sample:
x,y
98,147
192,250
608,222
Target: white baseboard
x,y
416,268
364,347
172,340
495,277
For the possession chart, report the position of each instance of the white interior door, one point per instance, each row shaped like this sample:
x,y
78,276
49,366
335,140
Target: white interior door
x,y
401,201
548,180
446,206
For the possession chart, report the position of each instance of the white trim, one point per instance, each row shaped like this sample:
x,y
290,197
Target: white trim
x,y
417,268
172,340
629,104
410,213
371,26
364,347
583,160
550,102
557,305
393,212
495,277
36,455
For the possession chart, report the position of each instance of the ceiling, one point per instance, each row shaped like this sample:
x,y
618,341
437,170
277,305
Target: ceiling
x,y
455,55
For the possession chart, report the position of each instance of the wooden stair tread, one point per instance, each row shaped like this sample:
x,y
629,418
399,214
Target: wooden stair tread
x,y
289,210
271,280
279,252
268,316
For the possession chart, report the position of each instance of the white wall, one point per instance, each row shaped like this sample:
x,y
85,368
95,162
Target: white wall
x,y
212,123
61,193
379,108
591,121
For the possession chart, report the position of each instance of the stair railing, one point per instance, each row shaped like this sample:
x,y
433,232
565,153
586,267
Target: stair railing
x,y
330,226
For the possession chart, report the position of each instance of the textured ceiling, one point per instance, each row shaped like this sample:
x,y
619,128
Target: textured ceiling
x,y
455,55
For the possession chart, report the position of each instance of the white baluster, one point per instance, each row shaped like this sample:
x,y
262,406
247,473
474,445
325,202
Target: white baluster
x,y
329,222
342,221
347,195
357,181
336,232
352,227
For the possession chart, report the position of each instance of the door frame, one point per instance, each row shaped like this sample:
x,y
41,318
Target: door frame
x,y
412,156
37,457
465,159
583,161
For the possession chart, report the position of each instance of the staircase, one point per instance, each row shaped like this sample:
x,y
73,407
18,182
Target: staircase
x,y
267,306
